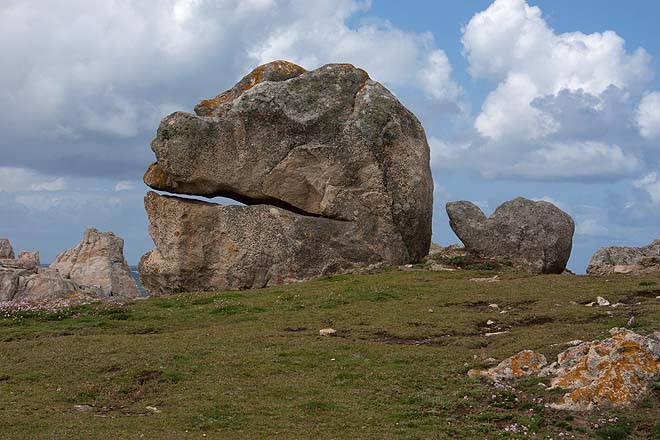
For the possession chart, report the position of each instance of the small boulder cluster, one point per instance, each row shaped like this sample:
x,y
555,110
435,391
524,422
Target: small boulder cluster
x,y
95,269
613,372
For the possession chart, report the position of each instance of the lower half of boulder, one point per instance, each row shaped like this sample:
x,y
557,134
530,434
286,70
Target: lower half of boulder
x,y
203,246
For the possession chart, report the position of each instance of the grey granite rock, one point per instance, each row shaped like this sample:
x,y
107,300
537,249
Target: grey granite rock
x,y
535,236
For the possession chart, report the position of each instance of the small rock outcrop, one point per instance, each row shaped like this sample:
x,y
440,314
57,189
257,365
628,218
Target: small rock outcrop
x,y
535,236
613,372
620,259
6,251
334,168
526,363
22,279
98,261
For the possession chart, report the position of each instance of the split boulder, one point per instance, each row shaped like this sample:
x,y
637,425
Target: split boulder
x,y
535,236
334,168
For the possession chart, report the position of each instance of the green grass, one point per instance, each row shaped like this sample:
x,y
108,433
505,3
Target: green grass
x,y
251,364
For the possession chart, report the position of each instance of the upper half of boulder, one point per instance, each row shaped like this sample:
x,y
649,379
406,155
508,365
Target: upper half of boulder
x,y
535,235
6,251
329,142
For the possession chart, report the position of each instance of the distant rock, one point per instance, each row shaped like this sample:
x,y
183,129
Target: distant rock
x,y
328,332
47,284
42,285
335,170
98,261
29,260
6,251
26,261
617,259
535,236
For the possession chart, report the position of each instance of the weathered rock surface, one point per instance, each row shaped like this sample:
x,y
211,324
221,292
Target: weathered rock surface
x,y
343,164
203,246
6,251
612,372
26,260
24,283
22,279
98,261
535,236
46,284
526,363
29,260
619,259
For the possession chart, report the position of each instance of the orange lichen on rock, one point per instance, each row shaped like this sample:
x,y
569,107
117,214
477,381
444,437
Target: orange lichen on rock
x,y
612,372
157,178
525,363
274,71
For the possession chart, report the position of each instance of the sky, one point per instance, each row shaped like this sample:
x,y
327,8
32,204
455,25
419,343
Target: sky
x,y
552,100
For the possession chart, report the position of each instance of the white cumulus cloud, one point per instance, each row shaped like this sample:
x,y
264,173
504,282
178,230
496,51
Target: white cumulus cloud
x,y
648,116
651,184
14,179
124,185
563,107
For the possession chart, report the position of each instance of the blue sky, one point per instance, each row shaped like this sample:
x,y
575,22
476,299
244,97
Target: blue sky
x,y
554,99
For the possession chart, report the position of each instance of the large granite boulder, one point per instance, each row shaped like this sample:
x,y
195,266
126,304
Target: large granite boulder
x,y
98,261
6,251
619,259
335,170
535,236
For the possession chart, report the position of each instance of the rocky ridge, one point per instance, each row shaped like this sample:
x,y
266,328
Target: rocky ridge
x,y
626,260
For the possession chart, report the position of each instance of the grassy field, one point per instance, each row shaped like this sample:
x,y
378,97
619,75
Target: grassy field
x,y
252,364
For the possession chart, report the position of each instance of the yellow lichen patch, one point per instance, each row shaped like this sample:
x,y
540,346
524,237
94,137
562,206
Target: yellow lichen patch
x,y
285,67
157,178
273,71
211,104
613,372
263,73
525,363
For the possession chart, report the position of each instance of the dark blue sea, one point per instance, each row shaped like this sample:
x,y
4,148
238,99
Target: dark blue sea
x,y
136,277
